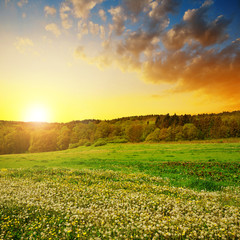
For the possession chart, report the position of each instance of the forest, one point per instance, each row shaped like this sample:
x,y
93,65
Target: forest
x,y
22,137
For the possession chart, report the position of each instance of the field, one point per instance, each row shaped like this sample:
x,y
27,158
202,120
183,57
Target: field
x,y
122,191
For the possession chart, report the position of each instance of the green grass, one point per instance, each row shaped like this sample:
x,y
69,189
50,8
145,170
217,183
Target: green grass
x,y
208,166
122,191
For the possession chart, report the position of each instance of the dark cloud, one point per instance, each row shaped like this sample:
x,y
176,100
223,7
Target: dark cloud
x,y
196,26
134,7
212,71
166,67
136,43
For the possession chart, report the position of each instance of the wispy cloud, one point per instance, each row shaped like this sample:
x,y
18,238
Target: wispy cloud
x,y
53,28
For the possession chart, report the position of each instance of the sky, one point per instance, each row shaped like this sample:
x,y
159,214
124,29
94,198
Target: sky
x,y
99,59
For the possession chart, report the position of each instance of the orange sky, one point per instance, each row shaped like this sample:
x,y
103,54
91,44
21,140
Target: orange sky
x,y
73,60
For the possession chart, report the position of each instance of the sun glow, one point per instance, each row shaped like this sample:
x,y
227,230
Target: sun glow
x,y
37,114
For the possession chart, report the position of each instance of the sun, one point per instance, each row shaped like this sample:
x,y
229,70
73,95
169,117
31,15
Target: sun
x,y
37,114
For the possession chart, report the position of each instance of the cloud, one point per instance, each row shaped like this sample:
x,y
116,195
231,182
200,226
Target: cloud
x,y
65,10
82,8
82,28
133,8
22,2
212,71
78,9
119,19
53,28
196,26
158,11
216,72
159,8
22,44
50,11
94,28
137,43
165,67
102,15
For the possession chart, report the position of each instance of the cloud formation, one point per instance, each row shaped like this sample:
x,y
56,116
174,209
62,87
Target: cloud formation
x,y
159,9
196,26
118,18
53,28
212,71
82,28
139,36
82,8
133,8
188,55
50,11
94,28
65,11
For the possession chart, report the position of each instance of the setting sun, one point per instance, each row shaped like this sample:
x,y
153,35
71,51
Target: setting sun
x,y
37,114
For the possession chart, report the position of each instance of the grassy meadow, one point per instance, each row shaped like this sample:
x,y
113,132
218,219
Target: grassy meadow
x,y
122,191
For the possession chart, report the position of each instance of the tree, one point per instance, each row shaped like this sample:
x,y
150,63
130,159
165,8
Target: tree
x,y
44,141
104,129
166,121
63,139
154,136
16,141
147,129
83,132
163,134
179,133
189,131
134,133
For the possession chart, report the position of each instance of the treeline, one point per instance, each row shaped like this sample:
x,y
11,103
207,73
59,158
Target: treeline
x,y
20,137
